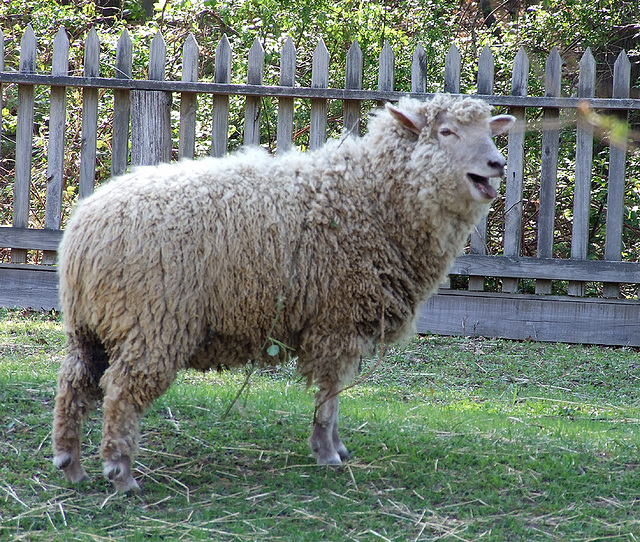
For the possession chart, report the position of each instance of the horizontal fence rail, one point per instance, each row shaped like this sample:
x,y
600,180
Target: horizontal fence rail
x,y
143,124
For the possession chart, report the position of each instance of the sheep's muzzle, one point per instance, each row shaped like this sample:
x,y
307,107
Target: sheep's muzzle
x,y
483,185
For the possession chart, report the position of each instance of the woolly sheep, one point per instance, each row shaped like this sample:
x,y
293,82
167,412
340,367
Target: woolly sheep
x,y
199,264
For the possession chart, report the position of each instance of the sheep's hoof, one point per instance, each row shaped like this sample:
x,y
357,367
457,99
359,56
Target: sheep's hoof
x,y
330,461
71,468
119,472
342,451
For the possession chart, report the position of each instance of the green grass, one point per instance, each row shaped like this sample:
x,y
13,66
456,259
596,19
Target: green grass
x,y
453,439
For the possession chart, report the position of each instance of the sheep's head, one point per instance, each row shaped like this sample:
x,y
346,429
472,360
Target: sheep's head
x,y
463,130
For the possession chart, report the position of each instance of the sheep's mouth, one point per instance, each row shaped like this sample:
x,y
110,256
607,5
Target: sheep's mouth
x,y
483,185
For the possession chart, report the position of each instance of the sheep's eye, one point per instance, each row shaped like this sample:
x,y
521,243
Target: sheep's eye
x,y
446,132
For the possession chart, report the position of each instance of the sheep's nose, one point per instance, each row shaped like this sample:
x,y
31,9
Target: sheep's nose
x,y
497,164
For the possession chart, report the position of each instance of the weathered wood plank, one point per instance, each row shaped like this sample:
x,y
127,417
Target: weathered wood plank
x,y
24,140
150,127
29,239
548,269
452,71
121,107
478,240
36,288
220,122
419,70
386,69
319,108
255,71
57,119
541,318
157,57
617,163
353,79
584,158
515,168
303,92
89,117
151,114
549,166
188,100
285,105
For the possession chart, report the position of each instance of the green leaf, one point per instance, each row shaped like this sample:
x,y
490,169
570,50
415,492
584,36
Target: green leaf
x,y
273,350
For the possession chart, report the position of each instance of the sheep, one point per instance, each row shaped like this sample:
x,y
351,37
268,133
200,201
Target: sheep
x,y
200,264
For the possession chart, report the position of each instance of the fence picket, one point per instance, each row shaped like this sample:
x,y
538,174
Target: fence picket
x,y
285,105
151,114
55,158
188,100
220,121
255,69
157,57
419,70
353,80
89,116
24,140
615,187
584,157
549,166
319,79
452,71
515,168
121,107
386,68
479,234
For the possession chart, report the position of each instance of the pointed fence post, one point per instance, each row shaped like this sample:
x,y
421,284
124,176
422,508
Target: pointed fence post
x,y
615,187
515,169
255,71
89,117
549,165
121,107
386,63
220,122
452,71
353,80
151,114
24,141
319,79
419,70
584,158
55,161
188,100
479,234
285,104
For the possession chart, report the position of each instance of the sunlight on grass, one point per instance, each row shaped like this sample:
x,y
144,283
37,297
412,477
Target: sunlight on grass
x,y
452,439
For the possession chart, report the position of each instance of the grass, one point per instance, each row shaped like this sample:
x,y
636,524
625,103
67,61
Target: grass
x,y
453,439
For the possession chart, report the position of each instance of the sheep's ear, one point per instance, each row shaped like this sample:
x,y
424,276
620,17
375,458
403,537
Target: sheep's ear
x,y
501,123
413,121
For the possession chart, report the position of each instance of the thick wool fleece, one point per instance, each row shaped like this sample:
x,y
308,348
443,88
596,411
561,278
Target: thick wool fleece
x,y
196,261
197,264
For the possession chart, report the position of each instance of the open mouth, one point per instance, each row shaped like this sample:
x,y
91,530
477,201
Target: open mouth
x,y
482,185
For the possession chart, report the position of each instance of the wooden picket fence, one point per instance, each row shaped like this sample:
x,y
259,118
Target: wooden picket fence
x,y
141,112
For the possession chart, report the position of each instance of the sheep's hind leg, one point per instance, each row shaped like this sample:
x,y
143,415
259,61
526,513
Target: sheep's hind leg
x,y
325,442
127,395
78,391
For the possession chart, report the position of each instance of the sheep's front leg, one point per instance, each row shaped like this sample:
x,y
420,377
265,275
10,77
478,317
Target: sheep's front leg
x,y
325,441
